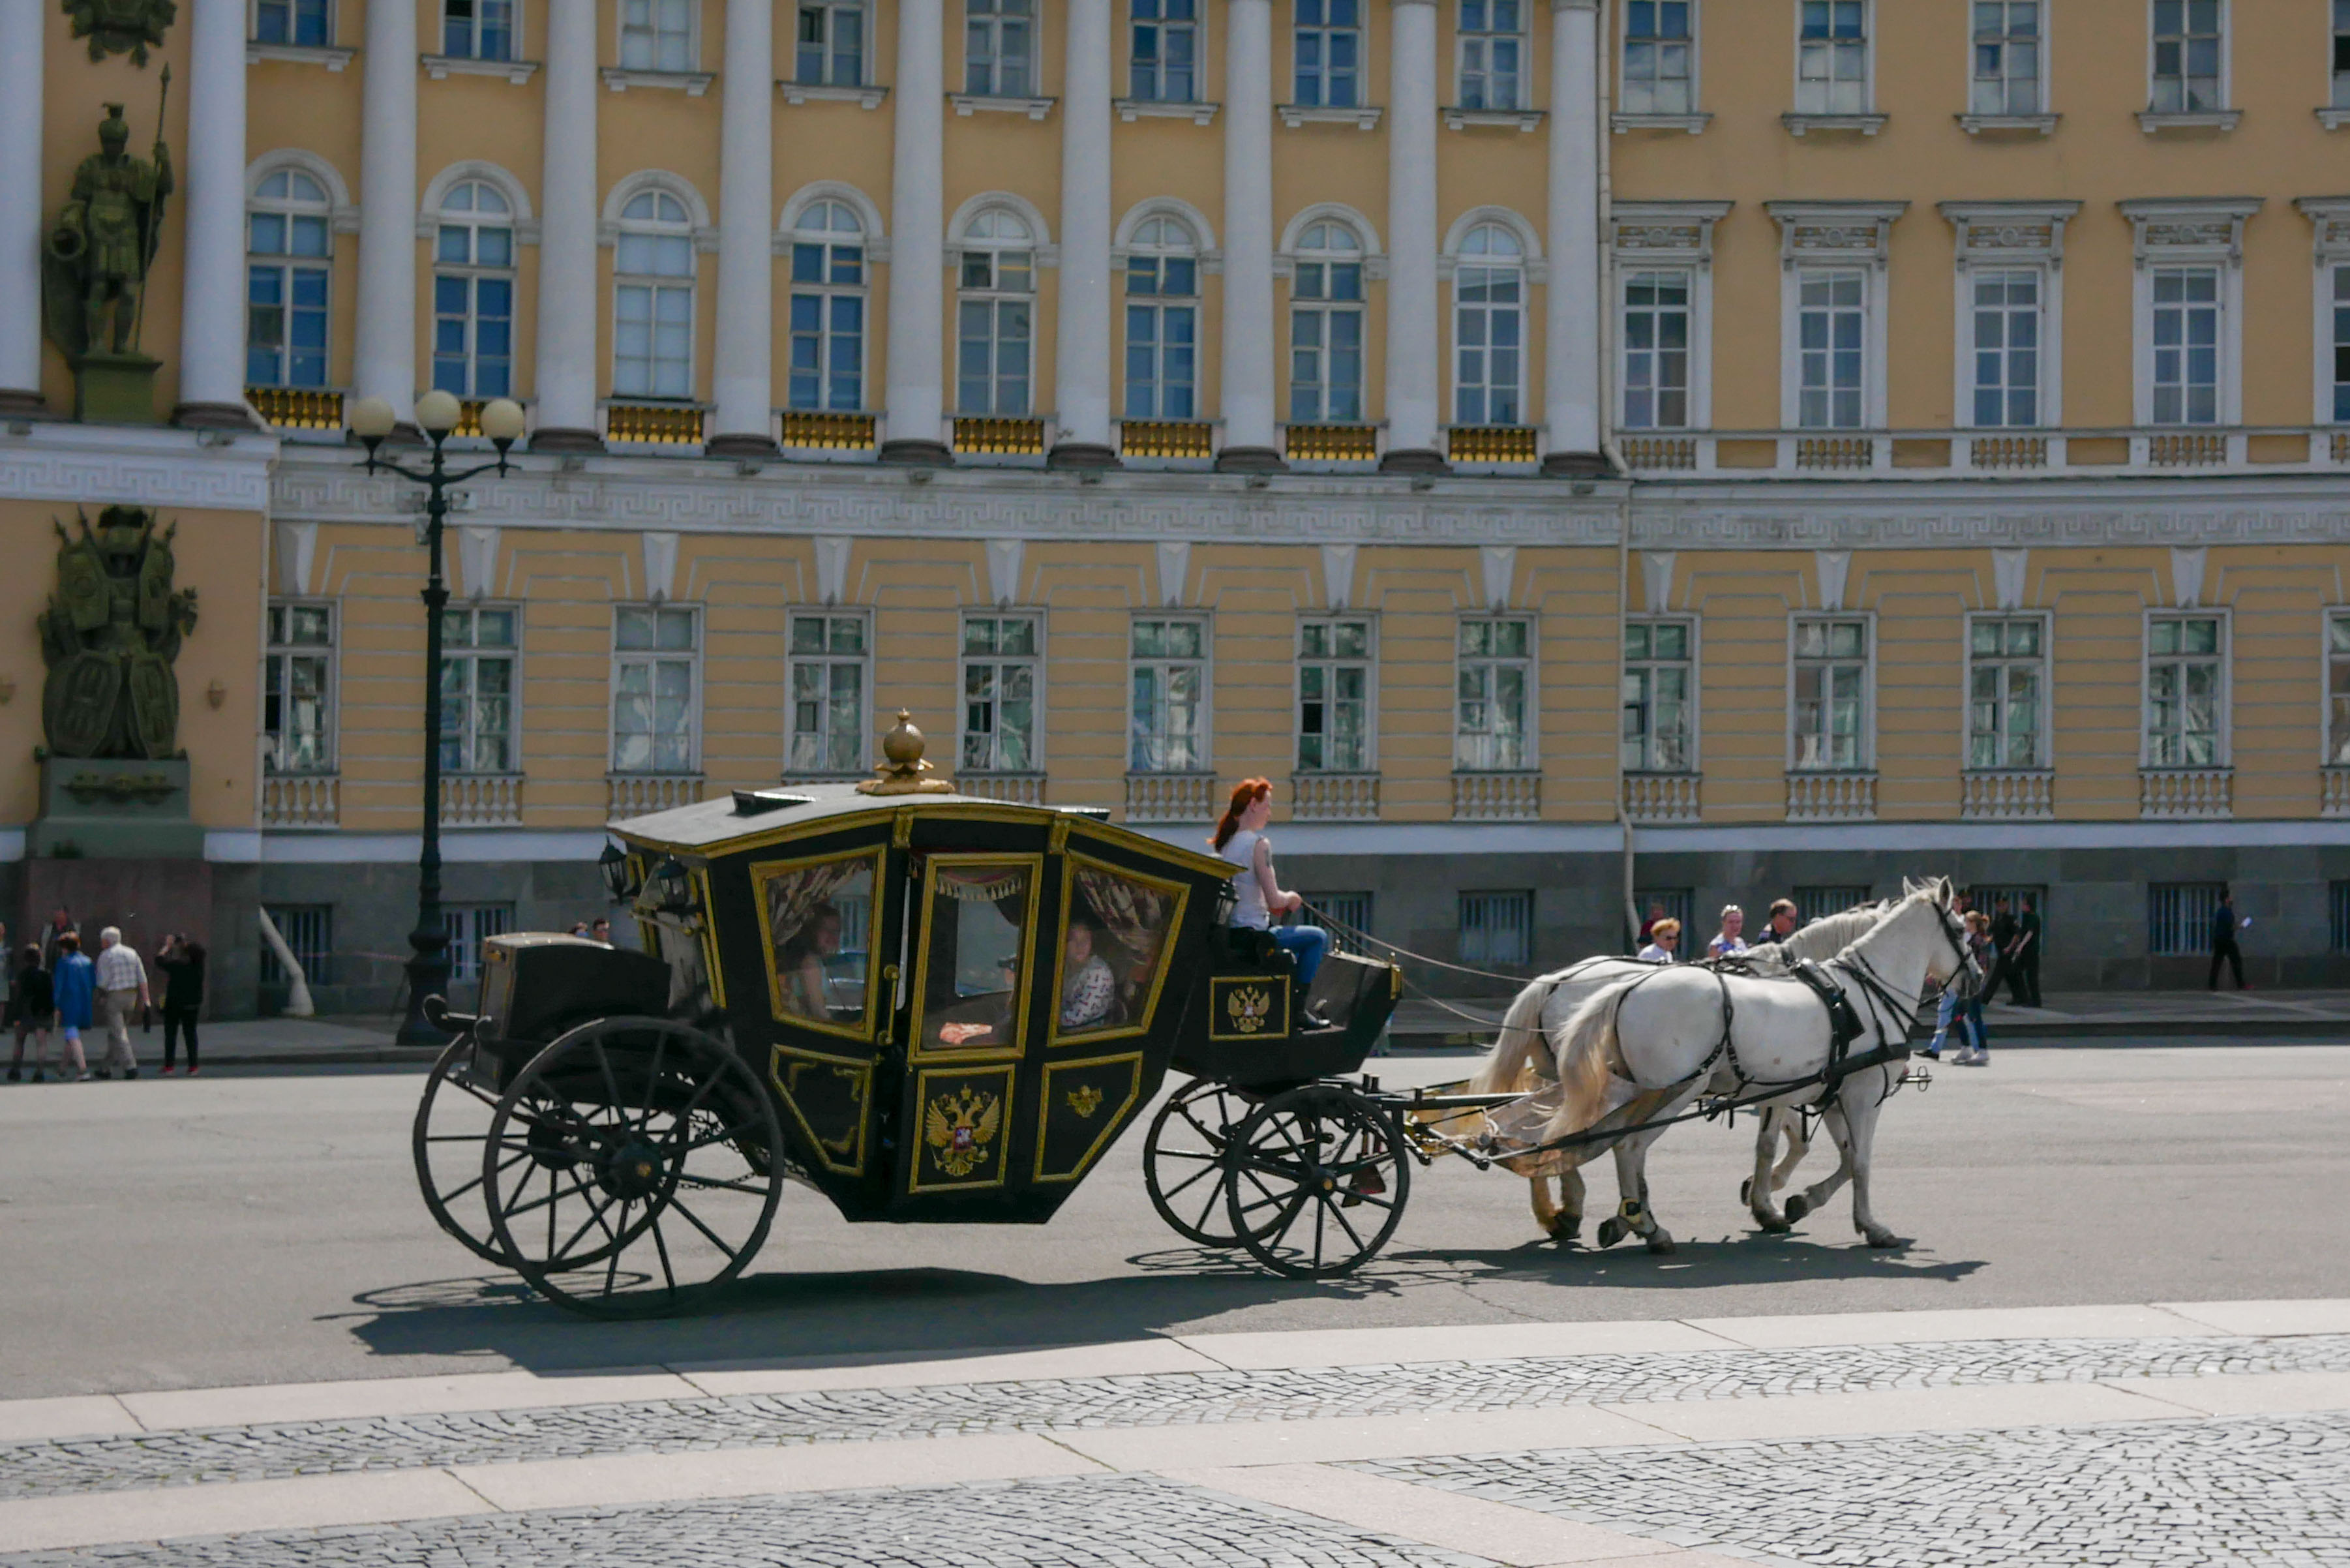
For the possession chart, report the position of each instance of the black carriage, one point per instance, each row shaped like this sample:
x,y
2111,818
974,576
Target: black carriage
x,y
930,1007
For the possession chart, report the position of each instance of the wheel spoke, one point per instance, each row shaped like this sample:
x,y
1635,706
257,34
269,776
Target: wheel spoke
x,y
695,1220
504,1166
552,1196
1337,1212
1192,1180
661,1246
612,1262
603,1065
595,1217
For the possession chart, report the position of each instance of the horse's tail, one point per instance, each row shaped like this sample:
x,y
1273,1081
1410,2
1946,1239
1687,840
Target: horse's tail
x,y
1505,1066
1585,1057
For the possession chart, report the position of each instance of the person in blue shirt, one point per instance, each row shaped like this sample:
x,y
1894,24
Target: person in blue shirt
x,y
75,982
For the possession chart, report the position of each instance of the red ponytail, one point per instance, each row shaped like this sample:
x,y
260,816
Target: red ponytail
x,y
1245,793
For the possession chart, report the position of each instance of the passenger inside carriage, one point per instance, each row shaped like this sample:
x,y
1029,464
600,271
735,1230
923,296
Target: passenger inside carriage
x,y
976,932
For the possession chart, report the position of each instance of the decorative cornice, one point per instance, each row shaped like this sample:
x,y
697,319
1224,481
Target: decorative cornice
x,y
2189,228
63,462
1665,231
2010,231
1851,232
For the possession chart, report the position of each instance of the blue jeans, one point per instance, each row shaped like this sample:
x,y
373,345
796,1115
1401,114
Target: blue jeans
x,y
1972,1013
1309,943
1942,1011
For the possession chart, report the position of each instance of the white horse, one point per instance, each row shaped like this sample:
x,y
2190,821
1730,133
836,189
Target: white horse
x,y
1664,1035
1535,1027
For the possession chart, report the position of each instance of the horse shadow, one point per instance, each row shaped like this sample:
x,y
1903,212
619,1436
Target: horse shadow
x,y
1756,1258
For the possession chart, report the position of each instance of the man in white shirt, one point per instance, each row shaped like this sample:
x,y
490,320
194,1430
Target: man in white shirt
x,y
122,986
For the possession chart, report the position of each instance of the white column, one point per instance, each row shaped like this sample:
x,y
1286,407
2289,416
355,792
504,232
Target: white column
x,y
1081,379
1571,332
744,383
385,366
564,380
20,205
918,248
1248,337
1415,367
211,183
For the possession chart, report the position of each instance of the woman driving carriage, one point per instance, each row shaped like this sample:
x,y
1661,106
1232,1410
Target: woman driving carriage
x,y
1240,838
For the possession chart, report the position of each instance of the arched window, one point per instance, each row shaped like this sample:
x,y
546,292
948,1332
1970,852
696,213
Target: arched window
x,y
473,293
1326,327
1162,322
996,315
1489,317
289,250
652,299
827,309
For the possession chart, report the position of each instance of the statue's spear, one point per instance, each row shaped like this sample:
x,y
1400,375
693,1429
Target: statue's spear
x,y
151,241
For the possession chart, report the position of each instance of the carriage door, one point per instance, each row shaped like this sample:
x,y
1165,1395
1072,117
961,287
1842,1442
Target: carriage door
x,y
974,978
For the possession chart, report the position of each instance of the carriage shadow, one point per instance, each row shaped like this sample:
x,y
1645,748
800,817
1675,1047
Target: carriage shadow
x,y
1753,1259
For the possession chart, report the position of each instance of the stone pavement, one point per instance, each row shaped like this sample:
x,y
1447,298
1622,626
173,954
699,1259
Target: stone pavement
x,y
2210,1433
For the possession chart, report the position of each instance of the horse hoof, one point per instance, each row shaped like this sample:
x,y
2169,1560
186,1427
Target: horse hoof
x,y
1773,1224
1797,1206
1659,1242
1611,1231
1882,1239
1566,1232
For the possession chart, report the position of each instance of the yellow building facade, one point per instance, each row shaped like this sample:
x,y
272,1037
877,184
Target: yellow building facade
x,y
1687,451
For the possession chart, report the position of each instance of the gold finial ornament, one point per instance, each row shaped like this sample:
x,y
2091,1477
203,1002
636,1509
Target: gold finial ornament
x,y
902,773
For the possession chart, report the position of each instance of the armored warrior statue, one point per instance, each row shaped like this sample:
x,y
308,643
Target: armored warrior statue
x,y
104,241
109,637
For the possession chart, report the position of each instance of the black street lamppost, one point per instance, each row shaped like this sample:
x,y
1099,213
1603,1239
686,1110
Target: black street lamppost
x,y
437,414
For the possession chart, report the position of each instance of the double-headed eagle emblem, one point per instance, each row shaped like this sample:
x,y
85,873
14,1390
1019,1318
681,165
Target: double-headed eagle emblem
x,y
1248,1008
959,1129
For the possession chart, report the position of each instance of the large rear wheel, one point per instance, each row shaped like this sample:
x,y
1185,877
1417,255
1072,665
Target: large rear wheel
x,y
1319,1180
629,1172
1183,1158
451,1128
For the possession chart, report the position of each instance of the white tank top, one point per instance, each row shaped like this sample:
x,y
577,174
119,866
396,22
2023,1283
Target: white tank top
x,y
1249,911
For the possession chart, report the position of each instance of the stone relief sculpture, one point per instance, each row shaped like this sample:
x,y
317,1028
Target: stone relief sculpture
x,y
109,637
117,26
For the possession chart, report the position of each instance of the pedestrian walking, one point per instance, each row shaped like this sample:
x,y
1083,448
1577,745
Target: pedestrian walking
x,y
183,963
122,986
2026,965
32,1007
2224,927
1781,925
1969,1007
1663,937
61,926
2002,938
73,980
1730,939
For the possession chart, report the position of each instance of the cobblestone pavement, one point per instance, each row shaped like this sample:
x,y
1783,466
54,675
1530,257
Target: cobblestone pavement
x,y
2250,1493
1126,1521
316,1448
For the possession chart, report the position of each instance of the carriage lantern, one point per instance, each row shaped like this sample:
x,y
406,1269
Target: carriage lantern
x,y
673,886
619,876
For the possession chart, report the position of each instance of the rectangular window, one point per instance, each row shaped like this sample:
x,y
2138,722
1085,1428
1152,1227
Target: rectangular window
x,y
2188,39
1165,64
2179,917
2341,338
1660,684
308,931
2006,74
2186,690
1329,40
1831,694
1494,677
2337,689
832,43
1163,337
467,924
652,340
1831,57
2337,916
478,29
1659,57
473,307
657,35
1333,695
1325,342
1346,917
1167,679
285,300
2006,348
297,689
2341,53
308,23
1493,45
1657,350
656,672
1488,337
479,645
1002,669
1811,903
2186,335
999,48
1497,930
830,661
2007,674
1671,904
827,311
994,327
1832,332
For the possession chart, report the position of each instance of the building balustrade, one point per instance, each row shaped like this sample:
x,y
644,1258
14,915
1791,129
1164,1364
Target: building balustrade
x,y
638,794
1008,437
2008,452
2186,794
653,424
1334,797
2333,791
297,408
1496,797
825,433
1167,439
1013,789
2187,448
2007,794
481,800
1844,796
1813,453
1332,443
1661,799
301,800
1658,453
1862,455
1171,797
1491,443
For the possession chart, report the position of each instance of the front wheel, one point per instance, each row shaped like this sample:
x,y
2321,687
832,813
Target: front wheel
x,y
1318,1181
657,1145
1183,1158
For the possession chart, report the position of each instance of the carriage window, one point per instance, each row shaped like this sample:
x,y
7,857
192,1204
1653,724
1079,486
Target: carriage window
x,y
975,939
819,919
1114,950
